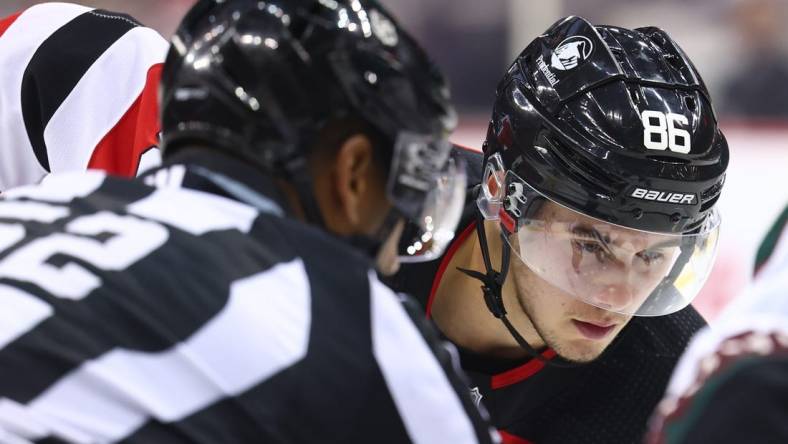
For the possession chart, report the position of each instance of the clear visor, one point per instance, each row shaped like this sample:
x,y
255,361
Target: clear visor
x,y
434,176
616,268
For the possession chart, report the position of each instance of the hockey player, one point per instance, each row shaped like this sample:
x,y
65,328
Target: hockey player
x,y
237,302
731,385
77,91
591,226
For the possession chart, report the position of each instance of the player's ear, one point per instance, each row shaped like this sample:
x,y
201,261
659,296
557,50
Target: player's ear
x,y
344,184
353,180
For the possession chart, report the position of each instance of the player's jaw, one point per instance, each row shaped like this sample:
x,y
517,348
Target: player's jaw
x,y
577,331
587,335
580,334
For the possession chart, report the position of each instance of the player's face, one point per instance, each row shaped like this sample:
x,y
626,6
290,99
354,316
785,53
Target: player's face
x,y
575,330
604,265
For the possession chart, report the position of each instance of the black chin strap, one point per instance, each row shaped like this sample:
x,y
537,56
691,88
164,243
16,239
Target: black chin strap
x,y
492,287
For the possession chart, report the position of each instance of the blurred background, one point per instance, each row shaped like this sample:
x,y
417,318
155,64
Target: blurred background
x,y
739,46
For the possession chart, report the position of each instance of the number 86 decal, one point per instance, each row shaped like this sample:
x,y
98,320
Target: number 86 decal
x,y
660,132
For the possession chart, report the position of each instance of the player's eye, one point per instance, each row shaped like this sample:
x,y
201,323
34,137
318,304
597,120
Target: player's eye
x,y
599,251
651,257
587,246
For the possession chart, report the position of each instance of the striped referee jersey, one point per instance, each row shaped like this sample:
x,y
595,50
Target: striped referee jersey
x,y
78,90
175,314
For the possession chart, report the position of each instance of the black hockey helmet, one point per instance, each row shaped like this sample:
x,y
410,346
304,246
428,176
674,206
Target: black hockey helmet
x,y
260,79
616,128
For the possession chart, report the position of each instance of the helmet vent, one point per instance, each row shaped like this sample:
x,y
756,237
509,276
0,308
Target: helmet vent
x,y
621,59
302,24
705,206
711,192
524,65
692,105
710,196
674,61
634,93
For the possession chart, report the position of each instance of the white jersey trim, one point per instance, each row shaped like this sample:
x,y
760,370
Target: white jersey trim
x,y
427,403
19,313
263,329
71,137
18,45
60,188
194,212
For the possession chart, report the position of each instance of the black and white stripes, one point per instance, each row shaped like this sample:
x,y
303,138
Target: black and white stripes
x,y
208,322
44,89
74,92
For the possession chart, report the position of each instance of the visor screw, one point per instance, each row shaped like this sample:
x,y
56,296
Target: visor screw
x,y
638,213
675,218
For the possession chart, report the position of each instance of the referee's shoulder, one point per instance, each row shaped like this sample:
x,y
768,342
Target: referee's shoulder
x,y
315,246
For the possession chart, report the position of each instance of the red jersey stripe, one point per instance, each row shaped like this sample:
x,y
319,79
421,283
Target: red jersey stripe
x,y
6,22
120,150
522,372
508,438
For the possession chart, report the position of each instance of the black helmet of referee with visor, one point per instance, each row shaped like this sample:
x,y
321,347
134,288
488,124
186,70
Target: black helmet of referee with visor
x,y
260,79
616,128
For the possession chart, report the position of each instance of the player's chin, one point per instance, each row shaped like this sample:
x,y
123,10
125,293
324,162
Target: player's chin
x,y
580,357
581,351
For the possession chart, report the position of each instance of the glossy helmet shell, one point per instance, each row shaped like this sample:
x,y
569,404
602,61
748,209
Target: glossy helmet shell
x,y
259,79
569,120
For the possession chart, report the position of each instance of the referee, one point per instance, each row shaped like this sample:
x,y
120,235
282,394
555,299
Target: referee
x,y
230,296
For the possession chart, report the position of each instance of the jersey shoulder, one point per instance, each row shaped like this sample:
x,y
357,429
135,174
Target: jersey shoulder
x,y
662,336
63,60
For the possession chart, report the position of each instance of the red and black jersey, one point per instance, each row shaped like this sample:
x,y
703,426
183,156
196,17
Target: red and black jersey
x,y
78,90
607,401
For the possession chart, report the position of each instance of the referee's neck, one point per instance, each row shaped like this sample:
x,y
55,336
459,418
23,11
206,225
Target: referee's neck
x,y
239,170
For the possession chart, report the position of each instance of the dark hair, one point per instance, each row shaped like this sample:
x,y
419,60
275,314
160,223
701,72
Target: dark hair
x,y
334,133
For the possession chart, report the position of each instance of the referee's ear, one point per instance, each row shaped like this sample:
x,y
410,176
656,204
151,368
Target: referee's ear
x,y
350,189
